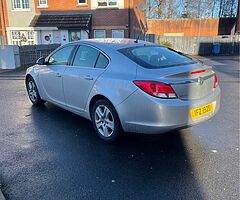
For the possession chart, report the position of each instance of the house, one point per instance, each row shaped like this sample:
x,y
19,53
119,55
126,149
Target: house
x,y
53,21
3,21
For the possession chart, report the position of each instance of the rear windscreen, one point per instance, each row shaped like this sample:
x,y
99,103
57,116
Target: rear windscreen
x,y
155,57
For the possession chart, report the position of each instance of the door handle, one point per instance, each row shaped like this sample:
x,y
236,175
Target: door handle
x,y
88,77
58,74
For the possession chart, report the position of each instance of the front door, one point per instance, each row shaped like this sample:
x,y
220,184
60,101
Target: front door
x,y
51,75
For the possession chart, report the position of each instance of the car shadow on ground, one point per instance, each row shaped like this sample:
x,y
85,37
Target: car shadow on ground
x,y
136,167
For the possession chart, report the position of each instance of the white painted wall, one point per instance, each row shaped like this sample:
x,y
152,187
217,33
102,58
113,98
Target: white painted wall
x,y
47,37
20,17
21,29
9,57
64,37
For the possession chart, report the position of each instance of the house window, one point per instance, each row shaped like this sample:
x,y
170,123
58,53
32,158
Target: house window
x,y
21,4
99,34
43,3
22,37
81,2
30,35
107,3
75,35
117,33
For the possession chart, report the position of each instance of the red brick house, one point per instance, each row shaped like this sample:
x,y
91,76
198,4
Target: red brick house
x,y
69,20
53,21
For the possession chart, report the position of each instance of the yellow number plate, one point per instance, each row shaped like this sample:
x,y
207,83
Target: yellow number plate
x,y
202,110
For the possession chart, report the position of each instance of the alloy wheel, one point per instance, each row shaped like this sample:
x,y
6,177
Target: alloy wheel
x,y
32,91
104,121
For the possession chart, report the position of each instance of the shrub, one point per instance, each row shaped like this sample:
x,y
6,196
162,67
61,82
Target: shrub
x,y
165,43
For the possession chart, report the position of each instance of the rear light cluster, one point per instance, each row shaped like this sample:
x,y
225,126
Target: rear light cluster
x,y
215,81
156,89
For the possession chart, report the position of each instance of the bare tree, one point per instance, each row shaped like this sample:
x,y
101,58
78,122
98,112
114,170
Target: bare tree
x,y
171,9
199,8
228,8
220,8
191,8
149,9
159,8
213,7
187,11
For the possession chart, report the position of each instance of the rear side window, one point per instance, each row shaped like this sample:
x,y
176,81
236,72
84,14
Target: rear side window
x,y
155,57
90,57
61,57
86,57
102,62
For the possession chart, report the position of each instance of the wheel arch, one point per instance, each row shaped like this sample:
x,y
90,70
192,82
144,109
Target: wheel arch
x,y
27,77
32,75
97,97
94,99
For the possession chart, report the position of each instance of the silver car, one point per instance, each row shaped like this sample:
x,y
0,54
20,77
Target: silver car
x,y
126,85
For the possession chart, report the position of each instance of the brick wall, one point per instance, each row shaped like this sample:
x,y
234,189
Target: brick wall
x,y
105,19
55,5
1,24
137,22
109,19
3,17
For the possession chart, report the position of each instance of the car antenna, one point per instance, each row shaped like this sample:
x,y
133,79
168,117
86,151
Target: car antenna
x,y
136,41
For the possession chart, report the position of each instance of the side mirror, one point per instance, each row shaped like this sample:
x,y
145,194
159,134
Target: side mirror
x,y
41,61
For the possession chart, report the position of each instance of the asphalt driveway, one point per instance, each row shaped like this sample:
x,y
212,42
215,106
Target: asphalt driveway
x,y
49,153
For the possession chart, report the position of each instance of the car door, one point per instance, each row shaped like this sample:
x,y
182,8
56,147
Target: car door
x,y
79,78
51,75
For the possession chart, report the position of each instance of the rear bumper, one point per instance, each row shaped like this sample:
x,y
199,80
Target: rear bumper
x,y
146,114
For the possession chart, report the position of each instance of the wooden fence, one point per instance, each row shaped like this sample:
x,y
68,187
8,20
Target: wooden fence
x,y
229,44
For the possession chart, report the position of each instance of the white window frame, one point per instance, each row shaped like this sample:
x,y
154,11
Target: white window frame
x,y
99,30
29,37
122,30
42,5
21,5
108,6
80,4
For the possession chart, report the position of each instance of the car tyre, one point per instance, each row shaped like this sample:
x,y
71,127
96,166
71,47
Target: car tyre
x,y
106,121
33,93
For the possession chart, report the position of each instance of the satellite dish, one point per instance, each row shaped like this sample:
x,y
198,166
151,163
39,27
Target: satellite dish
x,y
142,7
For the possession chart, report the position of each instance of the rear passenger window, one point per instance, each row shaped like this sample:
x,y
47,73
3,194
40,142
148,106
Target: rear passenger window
x,y
102,62
86,57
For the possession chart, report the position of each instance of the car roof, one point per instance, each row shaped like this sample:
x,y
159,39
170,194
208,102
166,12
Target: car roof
x,y
114,43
